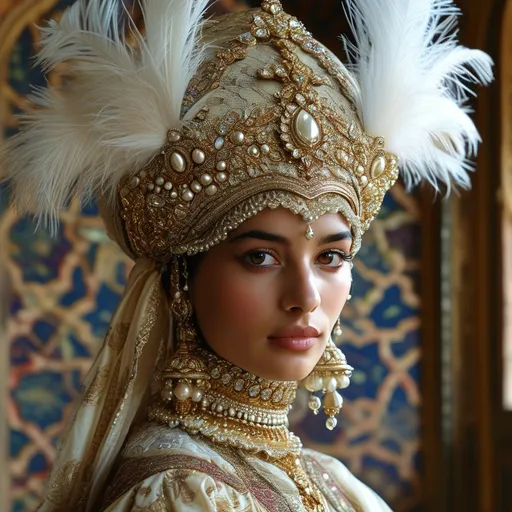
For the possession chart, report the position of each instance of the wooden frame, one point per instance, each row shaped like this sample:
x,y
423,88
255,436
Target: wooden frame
x,y
467,461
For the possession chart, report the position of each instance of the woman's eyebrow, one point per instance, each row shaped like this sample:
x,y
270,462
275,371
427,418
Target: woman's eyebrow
x,y
261,235
336,237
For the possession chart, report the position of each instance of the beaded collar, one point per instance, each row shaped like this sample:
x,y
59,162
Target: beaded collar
x,y
238,408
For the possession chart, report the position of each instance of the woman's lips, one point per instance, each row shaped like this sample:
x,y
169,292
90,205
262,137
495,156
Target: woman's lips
x,y
296,344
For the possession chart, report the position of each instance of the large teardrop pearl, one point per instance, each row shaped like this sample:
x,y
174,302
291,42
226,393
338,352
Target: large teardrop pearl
x,y
306,128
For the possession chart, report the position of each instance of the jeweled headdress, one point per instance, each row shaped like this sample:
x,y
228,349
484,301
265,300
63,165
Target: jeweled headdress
x,y
187,128
190,129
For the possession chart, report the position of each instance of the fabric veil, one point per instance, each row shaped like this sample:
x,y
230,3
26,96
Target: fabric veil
x,y
116,389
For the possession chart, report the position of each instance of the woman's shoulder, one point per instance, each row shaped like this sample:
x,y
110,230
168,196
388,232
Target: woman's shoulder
x,y
160,467
336,480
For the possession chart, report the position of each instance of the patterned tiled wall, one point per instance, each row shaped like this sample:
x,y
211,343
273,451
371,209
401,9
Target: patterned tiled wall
x,y
64,290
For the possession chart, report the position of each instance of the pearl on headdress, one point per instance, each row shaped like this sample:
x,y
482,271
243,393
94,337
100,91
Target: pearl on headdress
x,y
159,181
151,186
187,196
306,128
221,166
254,151
237,137
198,156
177,162
196,186
221,177
168,185
211,190
206,179
174,136
378,166
265,149
174,194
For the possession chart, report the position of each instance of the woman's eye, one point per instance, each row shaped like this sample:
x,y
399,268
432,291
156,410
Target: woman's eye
x,y
260,259
332,259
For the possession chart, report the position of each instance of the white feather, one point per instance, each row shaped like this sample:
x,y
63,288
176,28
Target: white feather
x,y
114,112
414,80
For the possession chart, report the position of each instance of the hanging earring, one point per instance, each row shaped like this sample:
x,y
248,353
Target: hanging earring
x,y
330,373
349,296
186,375
337,332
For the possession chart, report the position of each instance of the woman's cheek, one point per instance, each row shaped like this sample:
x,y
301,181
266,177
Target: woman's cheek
x,y
243,299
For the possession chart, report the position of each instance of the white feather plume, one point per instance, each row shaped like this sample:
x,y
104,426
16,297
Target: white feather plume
x,y
114,113
414,80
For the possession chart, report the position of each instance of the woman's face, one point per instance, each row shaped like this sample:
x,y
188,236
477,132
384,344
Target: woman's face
x,y
267,298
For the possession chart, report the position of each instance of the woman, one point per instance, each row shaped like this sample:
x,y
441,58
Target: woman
x,y
238,162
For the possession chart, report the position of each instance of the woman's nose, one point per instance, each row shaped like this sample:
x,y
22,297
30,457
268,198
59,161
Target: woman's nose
x,y
300,291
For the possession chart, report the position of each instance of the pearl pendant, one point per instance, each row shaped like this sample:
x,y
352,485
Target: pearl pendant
x,y
306,128
331,423
314,404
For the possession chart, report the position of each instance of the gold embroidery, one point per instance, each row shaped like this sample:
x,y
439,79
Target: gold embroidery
x,y
160,505
261,486
177,482
137,469
328,486
298,142
117,336
97,387
61,484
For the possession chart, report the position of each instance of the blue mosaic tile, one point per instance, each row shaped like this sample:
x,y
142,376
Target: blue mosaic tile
x,y
37,253
405,344
77,288
391,310
38,463
17,441
44,330
41,398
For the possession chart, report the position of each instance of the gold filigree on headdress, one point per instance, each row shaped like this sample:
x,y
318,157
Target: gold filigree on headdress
x,y
296,148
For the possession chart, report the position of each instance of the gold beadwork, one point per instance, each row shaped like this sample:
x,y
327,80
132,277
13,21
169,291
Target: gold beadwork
x,y
298,145
241,410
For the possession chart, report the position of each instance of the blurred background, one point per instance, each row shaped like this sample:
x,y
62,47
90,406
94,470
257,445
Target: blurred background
x,y
427,421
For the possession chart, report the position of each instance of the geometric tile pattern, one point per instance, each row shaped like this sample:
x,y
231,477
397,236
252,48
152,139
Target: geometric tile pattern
x,y
65,288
